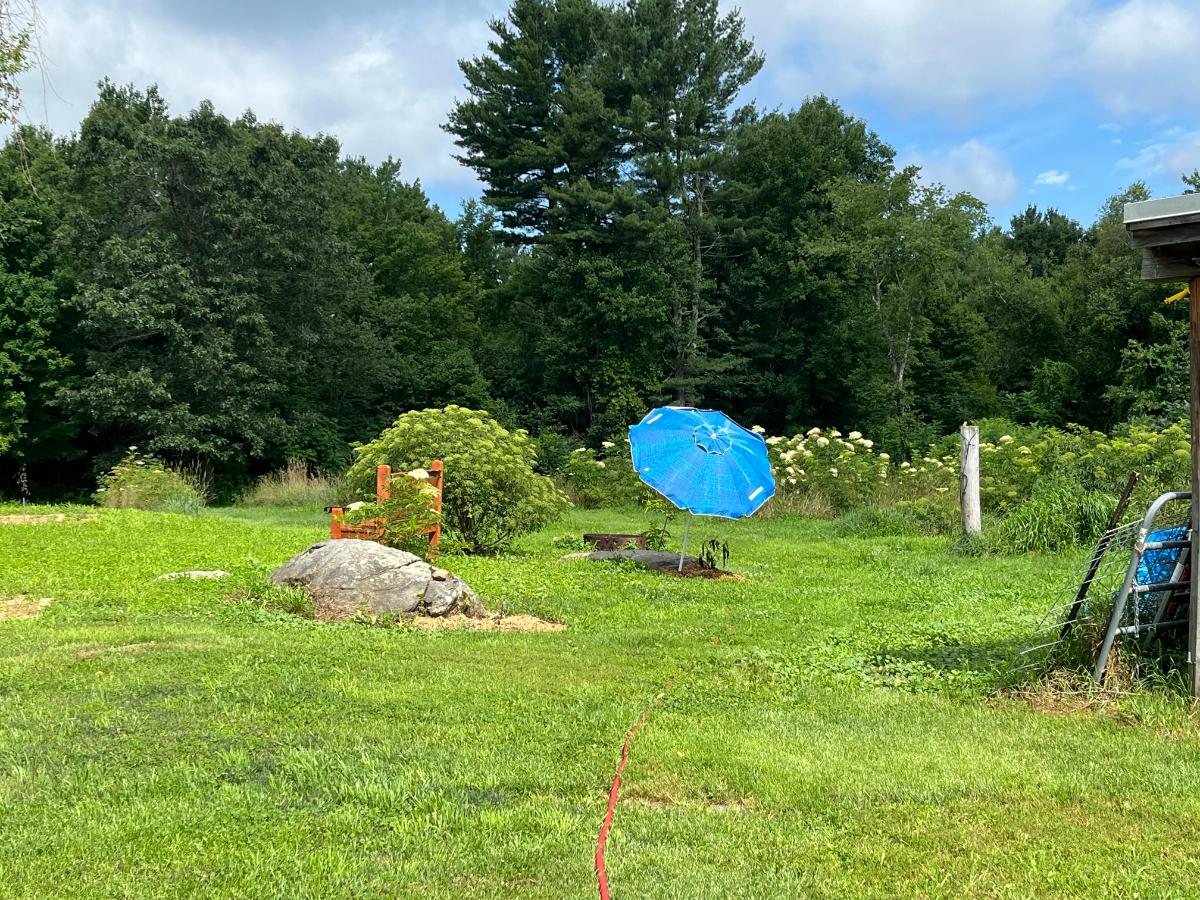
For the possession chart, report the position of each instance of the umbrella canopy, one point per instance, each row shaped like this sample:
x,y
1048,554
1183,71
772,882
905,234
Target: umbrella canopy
x,y
702,461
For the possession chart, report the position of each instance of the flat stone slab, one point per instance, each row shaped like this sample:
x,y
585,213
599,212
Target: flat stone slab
x,y
660,560
347,578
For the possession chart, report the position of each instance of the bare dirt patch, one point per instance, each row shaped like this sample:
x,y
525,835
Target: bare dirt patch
x,y
489,622
138,648
22,607
699,571
42,519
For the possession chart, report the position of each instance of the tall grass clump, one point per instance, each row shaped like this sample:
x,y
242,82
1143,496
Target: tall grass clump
x,y
294,486
1061,513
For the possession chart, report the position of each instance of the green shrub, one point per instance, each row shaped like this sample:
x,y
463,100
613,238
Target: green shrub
x,y
553,453
294,486
606,478
491,494
140,481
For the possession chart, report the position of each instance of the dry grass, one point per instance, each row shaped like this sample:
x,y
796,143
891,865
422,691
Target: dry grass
x,y
490,622
22,607
809,504
295,485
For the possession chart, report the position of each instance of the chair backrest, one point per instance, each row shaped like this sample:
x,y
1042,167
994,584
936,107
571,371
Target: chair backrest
x,y
383,481
437,472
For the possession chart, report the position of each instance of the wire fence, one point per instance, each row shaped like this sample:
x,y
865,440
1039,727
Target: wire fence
x,y
1080,634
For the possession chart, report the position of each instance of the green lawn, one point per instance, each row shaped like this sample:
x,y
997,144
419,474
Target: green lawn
x,y
827,731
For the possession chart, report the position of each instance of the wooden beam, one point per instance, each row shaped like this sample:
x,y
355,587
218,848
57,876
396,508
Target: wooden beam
x,y
1170,263
1194,410
1160,237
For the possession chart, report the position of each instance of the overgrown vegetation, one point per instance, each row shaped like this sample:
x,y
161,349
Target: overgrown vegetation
x,y
139,481
1042,488
295,485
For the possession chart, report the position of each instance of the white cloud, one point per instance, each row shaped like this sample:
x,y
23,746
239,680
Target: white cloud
x,y
1134,55
973,166
1176,154
1052,177
382,89
949,57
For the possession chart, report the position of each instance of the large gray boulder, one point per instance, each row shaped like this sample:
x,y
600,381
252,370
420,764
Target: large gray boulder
x,y
350,577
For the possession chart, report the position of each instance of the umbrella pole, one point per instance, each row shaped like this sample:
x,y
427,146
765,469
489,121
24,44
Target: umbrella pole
x,y
686,529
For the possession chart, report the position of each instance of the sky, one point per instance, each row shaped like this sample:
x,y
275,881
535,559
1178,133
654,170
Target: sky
x,y
1057,103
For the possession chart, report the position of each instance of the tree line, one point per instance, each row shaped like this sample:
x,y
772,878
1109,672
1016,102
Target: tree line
x,y
230,294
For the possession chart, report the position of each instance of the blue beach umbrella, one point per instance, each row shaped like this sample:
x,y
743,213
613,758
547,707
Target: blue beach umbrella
x,y
703,462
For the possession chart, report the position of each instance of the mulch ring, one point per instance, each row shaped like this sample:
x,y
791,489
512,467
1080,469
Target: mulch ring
x,y
695,570
22,606
489,622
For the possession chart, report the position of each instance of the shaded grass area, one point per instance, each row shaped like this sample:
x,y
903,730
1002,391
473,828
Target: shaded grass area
x,y
827,732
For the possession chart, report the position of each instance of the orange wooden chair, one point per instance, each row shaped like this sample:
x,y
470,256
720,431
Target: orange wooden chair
x,y
372,529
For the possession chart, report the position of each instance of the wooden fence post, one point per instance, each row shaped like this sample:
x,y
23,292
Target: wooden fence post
x,y
1194,412
968,465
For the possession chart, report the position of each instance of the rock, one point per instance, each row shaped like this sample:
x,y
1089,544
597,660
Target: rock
x,y
348,577
193,573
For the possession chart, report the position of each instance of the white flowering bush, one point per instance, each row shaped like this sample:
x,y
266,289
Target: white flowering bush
x,y
491,493
142,481
1016,462
1043,488
825,467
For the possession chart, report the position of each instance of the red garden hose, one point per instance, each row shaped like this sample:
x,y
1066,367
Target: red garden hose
x,y
613,794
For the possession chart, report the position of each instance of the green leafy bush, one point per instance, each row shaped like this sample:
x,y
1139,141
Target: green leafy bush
x,y
553,452
606,478
491,494
141,481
